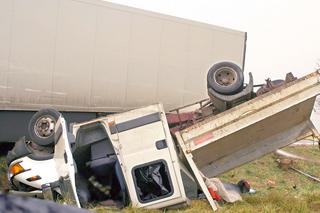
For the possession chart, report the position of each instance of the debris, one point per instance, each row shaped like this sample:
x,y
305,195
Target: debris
x,y
212,189
270,85
271,183
229,192
244,186
305,174
252,191
99,186
284,163
288,155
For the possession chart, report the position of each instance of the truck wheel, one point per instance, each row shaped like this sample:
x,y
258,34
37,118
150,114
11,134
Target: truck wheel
x,y
225,78
41,126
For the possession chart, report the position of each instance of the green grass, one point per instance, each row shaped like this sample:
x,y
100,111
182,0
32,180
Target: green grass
x,y
277,190
3,174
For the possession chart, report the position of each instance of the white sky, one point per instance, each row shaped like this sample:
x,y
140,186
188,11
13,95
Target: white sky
x,y
283,35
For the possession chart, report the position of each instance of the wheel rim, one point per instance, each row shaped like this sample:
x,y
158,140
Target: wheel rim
x,y
44,126
225,76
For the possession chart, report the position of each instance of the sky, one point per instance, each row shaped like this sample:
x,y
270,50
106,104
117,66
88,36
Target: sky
x,y
283,35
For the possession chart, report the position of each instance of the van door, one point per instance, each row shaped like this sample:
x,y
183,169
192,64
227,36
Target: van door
x,y
148,157
65,166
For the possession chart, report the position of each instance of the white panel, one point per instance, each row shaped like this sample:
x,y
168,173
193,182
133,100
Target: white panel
x,y
31,62
97,56
138,147
6,7
111,58
173,59
143,66
74,54
228,46
199,61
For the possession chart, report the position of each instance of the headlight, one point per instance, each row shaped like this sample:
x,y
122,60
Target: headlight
x,y
15,169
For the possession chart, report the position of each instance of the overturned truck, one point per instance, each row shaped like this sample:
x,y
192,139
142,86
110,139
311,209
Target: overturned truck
x,y
156,159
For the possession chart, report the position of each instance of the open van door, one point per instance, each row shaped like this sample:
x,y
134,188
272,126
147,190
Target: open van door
x,y
65,164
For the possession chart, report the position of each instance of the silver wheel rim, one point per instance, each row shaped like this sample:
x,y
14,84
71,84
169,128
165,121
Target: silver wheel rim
x,y
44,126
225,76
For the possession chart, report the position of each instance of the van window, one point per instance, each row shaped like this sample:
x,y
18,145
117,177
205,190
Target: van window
x,y
152,181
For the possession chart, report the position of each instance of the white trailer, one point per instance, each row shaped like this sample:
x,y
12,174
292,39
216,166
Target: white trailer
x,y
92,56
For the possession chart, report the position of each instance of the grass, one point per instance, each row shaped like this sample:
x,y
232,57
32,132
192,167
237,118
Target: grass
x,y
277,190
3,174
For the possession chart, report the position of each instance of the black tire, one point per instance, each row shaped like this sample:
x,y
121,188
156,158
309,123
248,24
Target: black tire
x,y
41,126
225,78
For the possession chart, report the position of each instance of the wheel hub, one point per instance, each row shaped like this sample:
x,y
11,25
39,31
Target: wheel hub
x,y
44,126
225,76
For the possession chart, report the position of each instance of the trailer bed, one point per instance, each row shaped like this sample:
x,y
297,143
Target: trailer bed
x,y
252,129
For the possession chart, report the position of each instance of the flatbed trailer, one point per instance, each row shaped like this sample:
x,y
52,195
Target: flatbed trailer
x,y
251,130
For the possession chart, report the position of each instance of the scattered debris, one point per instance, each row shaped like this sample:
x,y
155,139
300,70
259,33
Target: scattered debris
x,y
270,85
271,183
285,163
287,155
227,192
305,174
245,187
